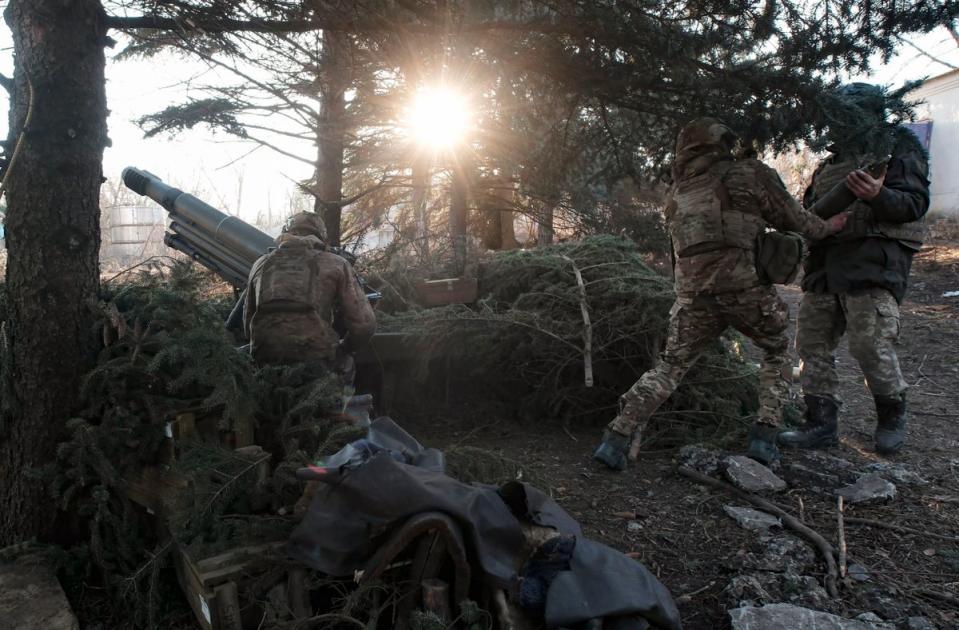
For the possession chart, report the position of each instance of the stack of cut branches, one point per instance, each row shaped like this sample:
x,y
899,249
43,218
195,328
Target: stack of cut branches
x,y
566,329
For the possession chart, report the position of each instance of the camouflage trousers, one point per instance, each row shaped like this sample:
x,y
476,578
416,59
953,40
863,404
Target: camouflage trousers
x,y
871,319
694,323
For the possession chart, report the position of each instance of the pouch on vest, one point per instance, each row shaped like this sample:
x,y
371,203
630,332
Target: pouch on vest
x,y
778,257
288,281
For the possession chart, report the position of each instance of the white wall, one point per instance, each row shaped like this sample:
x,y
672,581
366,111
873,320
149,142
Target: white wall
x,y
941,96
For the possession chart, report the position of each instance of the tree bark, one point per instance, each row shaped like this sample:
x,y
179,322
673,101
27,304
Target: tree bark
x,y
331,133
420,174
459,215
53,240
544,231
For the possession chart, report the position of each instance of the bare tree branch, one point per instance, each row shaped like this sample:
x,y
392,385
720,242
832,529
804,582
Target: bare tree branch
x,y
924,53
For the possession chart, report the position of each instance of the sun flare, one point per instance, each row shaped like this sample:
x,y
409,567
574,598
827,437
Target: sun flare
x,y
438,117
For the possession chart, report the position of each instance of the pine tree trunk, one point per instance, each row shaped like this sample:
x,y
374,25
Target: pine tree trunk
x,y
421,191
544,231
506,216
459,215
331,133
53,240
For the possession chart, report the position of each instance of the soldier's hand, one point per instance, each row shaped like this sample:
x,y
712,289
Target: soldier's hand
x,y
838,221
864,185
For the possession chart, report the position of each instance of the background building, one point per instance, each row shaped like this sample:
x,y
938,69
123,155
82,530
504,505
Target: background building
x,y
938,128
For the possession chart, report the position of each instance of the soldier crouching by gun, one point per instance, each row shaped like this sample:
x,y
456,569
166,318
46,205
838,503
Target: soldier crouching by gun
x,y
294,292
291,297
717,212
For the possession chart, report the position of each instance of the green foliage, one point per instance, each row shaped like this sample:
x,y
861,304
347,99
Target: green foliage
x,y
297,402
524,340
165,352
864,119
216,113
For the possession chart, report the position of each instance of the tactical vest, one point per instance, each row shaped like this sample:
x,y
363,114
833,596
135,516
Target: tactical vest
x,y
705,216
289,280
862,223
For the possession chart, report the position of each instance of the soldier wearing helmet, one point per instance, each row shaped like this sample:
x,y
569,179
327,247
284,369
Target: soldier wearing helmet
x,y
715,211
292,294
855,280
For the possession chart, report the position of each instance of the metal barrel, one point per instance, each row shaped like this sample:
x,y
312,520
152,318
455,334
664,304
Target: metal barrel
x,y
211,261
205,244
240,239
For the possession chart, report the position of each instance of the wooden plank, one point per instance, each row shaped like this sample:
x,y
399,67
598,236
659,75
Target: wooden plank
x,y
227,608
184,427
198,597
236,563
243,430
447,291
156,489
298,593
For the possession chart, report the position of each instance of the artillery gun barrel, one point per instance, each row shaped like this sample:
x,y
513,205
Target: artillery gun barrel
x,y
231,274
205,245
240,240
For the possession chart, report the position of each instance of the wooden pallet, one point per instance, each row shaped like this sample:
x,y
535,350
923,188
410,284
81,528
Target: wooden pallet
x,y
214,586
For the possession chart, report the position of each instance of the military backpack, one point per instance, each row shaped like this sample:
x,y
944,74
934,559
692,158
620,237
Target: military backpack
x,y
289,279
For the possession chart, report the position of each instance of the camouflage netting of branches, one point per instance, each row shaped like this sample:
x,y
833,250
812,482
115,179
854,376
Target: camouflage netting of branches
x,y
165,351
525,340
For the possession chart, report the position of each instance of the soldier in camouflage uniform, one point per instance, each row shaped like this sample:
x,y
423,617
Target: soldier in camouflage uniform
x,y
854,281
291,296
715,211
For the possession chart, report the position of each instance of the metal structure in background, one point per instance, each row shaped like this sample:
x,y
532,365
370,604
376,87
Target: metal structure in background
x,y
222,243
134,231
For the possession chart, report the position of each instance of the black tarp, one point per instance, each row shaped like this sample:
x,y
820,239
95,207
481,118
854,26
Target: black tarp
x,y
377,484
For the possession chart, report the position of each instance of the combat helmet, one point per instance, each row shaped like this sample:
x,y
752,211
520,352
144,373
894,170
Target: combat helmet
x,y
306,224
705,132
702,142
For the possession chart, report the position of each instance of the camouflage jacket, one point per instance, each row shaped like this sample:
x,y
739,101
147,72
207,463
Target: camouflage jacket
x,y
291,335
754,189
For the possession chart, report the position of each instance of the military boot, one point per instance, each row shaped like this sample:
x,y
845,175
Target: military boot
x,y
762,443
613,450
820,429
891,426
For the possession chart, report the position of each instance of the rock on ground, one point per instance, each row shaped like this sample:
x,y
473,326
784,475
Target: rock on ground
x,y
919,623
751,519
780,616
750,590
31,597
701,459
870,488
751,476
757,589
786,554
896,473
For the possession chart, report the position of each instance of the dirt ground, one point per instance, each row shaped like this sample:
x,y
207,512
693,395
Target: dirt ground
x,y
685,537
